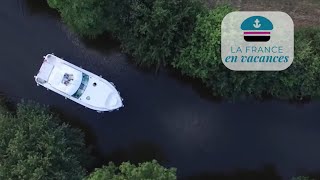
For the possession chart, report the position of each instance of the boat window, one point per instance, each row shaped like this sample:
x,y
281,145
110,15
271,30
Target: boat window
x,y
83,86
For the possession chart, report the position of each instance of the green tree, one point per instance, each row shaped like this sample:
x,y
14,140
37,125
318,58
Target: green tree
x,y
35,145
127,171
202,55
202,59
186,35
302,78
153,31
85,17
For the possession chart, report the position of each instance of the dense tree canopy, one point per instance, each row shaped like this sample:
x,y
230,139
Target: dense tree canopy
x,y
86,17
35,145
202,59
152,31
186,35
127,171
302,78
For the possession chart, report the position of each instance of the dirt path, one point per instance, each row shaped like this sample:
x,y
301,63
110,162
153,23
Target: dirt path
x,y
303,12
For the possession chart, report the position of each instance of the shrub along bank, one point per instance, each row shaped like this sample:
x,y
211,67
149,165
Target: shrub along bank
x,y
153,31
202,59
35,144
186,35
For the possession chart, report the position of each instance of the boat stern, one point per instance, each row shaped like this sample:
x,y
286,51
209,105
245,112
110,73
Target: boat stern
x,y
44,73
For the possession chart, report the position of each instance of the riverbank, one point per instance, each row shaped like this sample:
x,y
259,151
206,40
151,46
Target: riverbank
x,y
37,144
186,36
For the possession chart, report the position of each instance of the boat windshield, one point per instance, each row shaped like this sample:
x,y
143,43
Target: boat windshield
x,y
83,86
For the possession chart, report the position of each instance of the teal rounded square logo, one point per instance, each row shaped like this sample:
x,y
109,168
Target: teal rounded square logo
x,y
257,41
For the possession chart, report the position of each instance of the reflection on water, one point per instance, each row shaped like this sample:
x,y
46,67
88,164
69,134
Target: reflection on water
x,y
36,7
137,152
103,43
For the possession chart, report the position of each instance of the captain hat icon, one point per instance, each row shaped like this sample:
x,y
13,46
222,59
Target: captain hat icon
x,y
257,29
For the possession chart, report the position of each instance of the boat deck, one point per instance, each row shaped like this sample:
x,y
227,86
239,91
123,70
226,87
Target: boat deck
x,y
78,84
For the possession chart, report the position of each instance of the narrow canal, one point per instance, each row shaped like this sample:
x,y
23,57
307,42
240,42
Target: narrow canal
x,y
164,118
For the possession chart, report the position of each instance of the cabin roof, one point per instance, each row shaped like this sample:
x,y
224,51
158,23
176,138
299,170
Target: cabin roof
x,y
57,79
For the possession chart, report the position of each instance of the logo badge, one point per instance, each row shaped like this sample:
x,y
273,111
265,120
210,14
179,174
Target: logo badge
x,y
257,41
256,29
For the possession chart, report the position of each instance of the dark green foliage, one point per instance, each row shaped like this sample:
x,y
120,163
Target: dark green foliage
x,y
202,59
127,171
86,17
153,31
203,51
34,145
3,108
185,34
302,78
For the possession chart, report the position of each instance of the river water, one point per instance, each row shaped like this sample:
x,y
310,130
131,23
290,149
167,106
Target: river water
x,y
164,117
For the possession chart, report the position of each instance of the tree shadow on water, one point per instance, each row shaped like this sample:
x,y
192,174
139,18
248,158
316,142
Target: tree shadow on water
x,y
103,43
136,153
9,104
268,172
36,7
107,44
196,84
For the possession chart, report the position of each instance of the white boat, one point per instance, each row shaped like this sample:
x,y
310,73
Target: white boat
x,y
77,84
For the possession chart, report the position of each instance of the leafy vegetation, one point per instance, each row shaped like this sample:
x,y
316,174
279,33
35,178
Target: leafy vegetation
x,y
153,31
86,17
35,145
186,35
202,59
301,79
126,171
